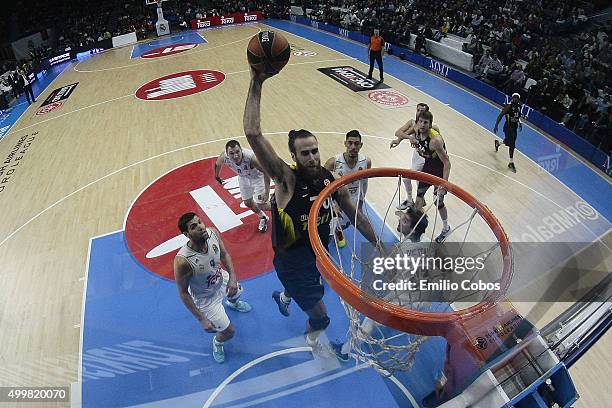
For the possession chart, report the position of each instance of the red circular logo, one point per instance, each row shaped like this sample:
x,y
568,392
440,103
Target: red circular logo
x,y
151,230
49,108
180,84
388,98
169,50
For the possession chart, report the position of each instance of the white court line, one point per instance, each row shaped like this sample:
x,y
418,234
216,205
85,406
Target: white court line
x,y
75,401
471,120
241,137
490,103
132,94
168,58
311,384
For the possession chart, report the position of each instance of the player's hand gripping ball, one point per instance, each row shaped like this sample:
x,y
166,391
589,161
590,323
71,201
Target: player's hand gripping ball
x,y
268,52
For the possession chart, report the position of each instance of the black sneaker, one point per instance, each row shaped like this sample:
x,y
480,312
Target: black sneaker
x,y
511,167
497,144
443,234
337,347
283,307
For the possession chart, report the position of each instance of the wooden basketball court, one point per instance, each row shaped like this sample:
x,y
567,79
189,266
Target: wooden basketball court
x,y
81,166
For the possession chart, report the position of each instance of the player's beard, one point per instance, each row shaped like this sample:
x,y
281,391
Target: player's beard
x,y
309,173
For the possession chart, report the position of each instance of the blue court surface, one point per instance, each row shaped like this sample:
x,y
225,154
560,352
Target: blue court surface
x,y
141,345
183,37
580,178
10,116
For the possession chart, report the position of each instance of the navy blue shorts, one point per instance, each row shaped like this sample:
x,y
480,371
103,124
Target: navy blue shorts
x,y
300,277
510,132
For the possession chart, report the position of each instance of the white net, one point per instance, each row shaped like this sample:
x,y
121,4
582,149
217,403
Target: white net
x,y
408,239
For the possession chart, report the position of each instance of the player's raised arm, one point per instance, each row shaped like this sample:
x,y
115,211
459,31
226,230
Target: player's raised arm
x,y
405,132
218,165
273,165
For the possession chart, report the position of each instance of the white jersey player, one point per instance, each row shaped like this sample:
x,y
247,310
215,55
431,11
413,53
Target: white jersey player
x,y
253,182
346,163
202,282
407,131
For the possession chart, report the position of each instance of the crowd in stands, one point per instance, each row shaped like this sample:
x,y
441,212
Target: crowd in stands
x,y
545,49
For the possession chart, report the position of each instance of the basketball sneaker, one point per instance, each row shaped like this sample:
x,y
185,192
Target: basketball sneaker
x,y
511,167
337,348
218,351
444,234
320,349
263,223
403,206
283,307
497,144
239,306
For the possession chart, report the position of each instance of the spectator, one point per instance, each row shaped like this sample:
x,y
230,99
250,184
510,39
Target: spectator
x,y
516,80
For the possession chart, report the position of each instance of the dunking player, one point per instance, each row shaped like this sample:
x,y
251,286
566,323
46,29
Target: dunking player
x,y
346,163
405,132
253,182
430,146
512,124
202,282
297,186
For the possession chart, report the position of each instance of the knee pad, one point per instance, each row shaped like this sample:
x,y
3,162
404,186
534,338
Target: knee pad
x,y
320,323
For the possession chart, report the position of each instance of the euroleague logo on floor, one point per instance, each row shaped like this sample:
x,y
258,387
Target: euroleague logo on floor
x,y
388,97
151,230
180,84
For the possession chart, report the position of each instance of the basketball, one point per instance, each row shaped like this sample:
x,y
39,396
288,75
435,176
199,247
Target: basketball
x,y
268,52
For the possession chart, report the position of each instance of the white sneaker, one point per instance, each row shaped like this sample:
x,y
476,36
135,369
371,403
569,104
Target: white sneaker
x,y
403,206
263,223
320,349
218,352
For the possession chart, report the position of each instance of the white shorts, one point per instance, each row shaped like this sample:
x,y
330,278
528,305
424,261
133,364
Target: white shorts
x,y
418,161
212,306
252,188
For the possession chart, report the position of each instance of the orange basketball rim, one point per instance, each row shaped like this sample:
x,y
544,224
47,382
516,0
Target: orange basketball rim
x,y
392,315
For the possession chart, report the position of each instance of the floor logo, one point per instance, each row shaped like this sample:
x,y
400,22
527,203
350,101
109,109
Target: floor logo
x,y
388,97
352,78
60,94
49,108
180,84
169,50
151,228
